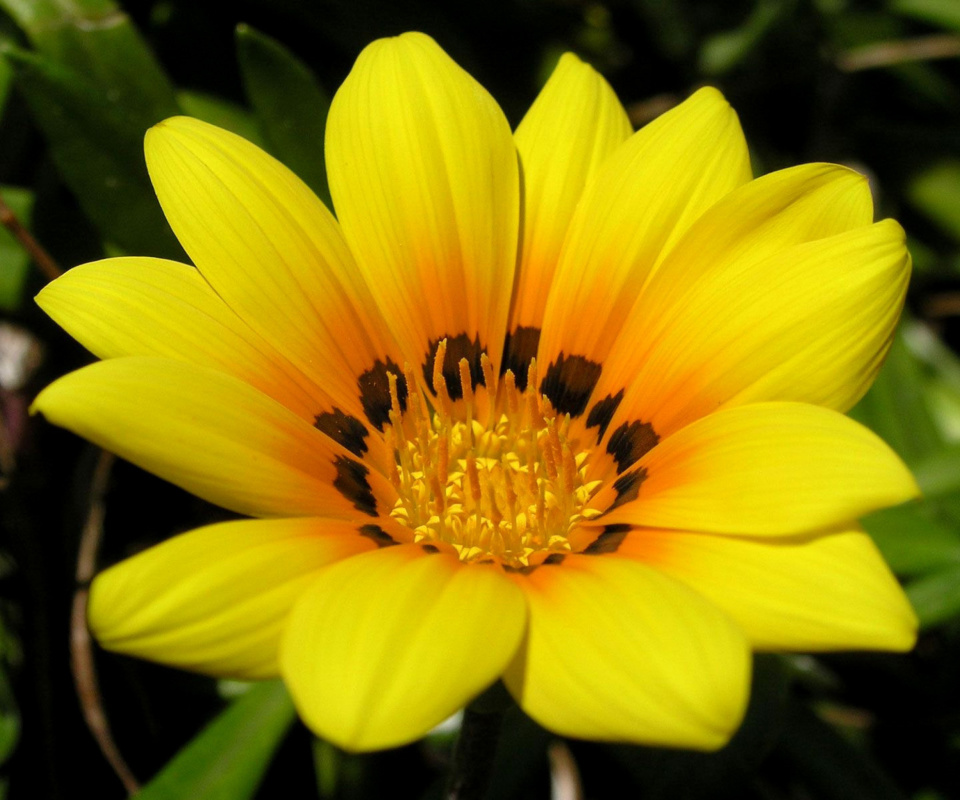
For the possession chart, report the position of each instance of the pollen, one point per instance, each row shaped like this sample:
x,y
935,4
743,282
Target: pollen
x,y
499,480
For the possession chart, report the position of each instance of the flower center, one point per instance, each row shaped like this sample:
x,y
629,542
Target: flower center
x,y
502,482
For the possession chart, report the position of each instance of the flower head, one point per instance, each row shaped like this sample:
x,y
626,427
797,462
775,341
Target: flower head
x,y
560,406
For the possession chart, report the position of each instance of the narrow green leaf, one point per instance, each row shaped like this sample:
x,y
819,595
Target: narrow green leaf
x,y
97,40
911,541
99,153
723,51
942,13
228,758
289,104
14,261
936,597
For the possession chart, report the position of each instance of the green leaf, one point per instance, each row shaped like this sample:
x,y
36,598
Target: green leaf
x,y
939,473
942,13
97,40
936,193
936,597
723,51
228,758
99,153
896,407
911,541
289,104
14,261
221,113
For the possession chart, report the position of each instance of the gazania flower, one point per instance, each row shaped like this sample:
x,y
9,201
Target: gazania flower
x,y
560,406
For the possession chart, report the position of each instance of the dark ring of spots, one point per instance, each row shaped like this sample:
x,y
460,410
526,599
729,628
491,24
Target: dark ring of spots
x,y
377,534
554,558
627,488
602,412
351,482
430,548
518,349
343,429
459,346
608,541
569,382
630,442
374,389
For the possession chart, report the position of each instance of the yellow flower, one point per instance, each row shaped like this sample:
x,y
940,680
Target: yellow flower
x,y
561,407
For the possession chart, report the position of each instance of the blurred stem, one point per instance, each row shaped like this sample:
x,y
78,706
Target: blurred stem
x,y
44,261
81,650
886,54
474,752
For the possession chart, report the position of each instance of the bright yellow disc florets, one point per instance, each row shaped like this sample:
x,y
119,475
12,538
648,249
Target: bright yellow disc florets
x,y
510,488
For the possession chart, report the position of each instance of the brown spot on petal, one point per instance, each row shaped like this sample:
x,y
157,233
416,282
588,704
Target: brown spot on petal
x,y
343,429
374,389
608,541
630,442
351,482
518,349
377,535
569,382
627,487
602,412
458,347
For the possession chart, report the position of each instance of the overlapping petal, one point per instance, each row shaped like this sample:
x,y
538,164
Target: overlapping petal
x,y
618,651
762,469
216,599
424,176
386,645
645,196
575,123
825,592
150,307
215,436
271,250
781,292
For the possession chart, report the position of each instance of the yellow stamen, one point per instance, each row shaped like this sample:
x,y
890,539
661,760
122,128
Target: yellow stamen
x,y
511,490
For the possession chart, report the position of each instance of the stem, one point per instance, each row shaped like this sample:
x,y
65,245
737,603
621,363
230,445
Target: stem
x,y
887,54
474,753
40,256
81,650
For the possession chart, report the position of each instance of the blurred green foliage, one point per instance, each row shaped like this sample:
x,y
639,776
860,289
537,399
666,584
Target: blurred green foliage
x,y
872,83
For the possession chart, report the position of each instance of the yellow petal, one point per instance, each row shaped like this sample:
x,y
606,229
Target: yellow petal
x,y
617,651
826,592
271,250
646,194
214,436
423,173
388,644
773,313
216,599
150,307
764,469
573,125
